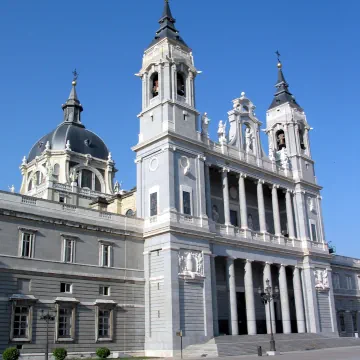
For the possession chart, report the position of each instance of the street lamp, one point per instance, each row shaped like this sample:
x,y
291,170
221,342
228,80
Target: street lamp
x,y
47,317
267,296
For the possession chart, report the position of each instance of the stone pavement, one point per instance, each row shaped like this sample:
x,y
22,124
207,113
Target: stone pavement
x,y
345,353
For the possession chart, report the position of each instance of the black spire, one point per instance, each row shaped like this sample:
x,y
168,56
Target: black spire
x,y
167,27
72,108
282,95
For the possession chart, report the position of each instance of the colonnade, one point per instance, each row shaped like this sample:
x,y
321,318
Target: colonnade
x,y
250,297
260,200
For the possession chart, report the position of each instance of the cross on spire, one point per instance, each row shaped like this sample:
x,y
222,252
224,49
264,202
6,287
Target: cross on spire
x,y
278,55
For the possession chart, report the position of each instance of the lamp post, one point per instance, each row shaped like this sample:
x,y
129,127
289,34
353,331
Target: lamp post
x,y
47,317
267,296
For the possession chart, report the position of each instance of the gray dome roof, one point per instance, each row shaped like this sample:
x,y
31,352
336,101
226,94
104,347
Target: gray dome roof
x,y
81,140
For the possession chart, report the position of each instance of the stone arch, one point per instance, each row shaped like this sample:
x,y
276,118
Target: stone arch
x,y
97,173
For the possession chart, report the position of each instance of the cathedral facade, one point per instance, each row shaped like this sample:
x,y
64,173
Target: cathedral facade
x,y
210,225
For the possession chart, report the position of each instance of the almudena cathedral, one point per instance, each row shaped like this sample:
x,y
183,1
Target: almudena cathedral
x,y
208,223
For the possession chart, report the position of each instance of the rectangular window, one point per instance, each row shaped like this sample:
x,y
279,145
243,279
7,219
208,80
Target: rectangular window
x,y
349,284
186,203
23,286
62,199
21,322
69,246
66,288
153,204
234,218
313,232
104,324
336,279
105,255
27,240
104,290
65,322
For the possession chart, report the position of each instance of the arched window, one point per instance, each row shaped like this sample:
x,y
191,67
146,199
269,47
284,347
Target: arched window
x,y
180,84
301,138
56,171
154,81
130,212
89,180
39,178
280,139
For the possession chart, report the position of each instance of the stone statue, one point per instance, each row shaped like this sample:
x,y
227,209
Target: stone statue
x,y
110,157
284,159
215,213
74,175
281,141
47,146
271,149
24,161
249,139
250,222
222,132
205,125
117,187
67,146
12,188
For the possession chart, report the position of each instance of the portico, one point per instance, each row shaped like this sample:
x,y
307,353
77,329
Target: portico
x,y
238,279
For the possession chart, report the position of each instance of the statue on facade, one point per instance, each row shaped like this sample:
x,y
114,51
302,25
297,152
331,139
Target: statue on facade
x,y
222,132
215,213
67,146
284,159
249,139
12,188
117,187
281,140
250,222
205,125
74,175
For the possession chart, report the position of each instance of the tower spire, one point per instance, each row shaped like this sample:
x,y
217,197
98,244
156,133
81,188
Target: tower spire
x,y
167,26
72,108
283,94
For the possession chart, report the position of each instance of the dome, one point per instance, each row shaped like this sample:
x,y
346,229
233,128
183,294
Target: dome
x,y
81,141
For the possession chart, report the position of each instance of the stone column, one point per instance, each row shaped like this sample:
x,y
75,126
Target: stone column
x,y
299,303
276,212
214,296
208,190
233,318
261,206
284,299
289,214
225,183
242,197
267,275
249,298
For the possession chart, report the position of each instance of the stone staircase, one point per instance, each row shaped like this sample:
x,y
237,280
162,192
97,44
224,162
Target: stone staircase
x,y
247,345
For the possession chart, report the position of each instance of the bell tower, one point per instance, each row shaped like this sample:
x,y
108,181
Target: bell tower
x,y
168,74
288,132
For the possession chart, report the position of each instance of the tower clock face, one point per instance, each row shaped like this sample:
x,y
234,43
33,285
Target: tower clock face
x,y
233,192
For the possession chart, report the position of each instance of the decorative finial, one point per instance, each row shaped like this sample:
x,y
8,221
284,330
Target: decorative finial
x,y
76,75
279,65
243,94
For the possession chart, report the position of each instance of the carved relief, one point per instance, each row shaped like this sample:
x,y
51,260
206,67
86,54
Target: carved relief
x,y
191,263
185,164
311,204
321,279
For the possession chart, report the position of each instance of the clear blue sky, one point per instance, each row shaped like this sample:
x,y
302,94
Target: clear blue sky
x,y
233,43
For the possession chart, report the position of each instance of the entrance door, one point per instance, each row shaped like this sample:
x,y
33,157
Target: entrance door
x,y
241,311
